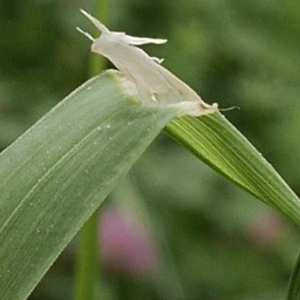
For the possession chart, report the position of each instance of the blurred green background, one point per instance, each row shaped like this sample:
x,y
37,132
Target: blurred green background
x,y
173,229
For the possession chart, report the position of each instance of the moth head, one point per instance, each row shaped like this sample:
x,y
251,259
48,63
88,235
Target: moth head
x,y
119,36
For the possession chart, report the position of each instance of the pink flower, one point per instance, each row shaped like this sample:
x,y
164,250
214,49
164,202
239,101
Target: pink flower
x,y
126,245
266,229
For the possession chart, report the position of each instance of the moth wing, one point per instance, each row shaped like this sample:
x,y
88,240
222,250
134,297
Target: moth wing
x,y
137,41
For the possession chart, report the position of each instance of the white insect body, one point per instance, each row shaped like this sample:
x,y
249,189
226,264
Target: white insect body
x,y
152,81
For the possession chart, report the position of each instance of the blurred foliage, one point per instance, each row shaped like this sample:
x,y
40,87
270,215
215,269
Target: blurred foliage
x,y
214,240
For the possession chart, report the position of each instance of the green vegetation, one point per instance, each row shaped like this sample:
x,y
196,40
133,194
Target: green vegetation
x,y
203,237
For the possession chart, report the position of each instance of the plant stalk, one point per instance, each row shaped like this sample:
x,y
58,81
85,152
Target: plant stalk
x,y
88,267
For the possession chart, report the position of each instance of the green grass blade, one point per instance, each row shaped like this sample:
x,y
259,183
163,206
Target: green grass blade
x,y
294,288
217,142
56,175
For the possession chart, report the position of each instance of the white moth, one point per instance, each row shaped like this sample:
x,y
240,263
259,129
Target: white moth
x,y
155,84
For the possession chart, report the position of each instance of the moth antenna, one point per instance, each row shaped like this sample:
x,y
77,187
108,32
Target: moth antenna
x,y
229,108
86,34
96,22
